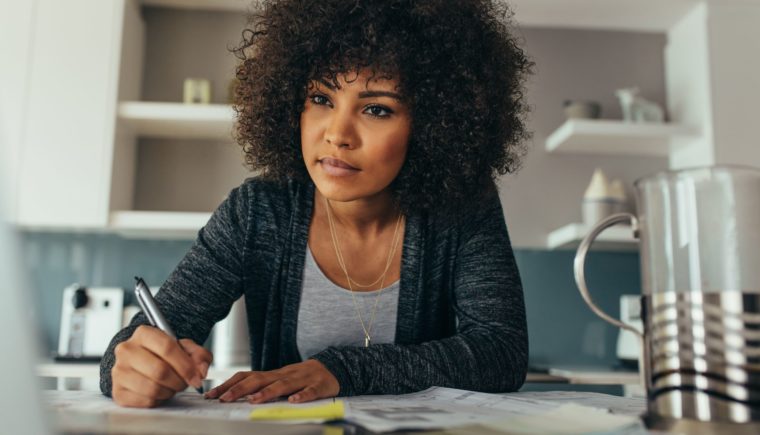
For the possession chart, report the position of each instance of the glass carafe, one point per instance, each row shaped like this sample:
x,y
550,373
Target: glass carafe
x,y
699,234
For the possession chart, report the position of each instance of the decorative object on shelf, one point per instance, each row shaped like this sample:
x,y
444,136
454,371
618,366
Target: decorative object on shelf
x,y
602,198
196,91
582,109
638,109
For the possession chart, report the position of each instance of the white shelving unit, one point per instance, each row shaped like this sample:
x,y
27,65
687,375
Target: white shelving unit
x,y
167,225
618,137
617,238
177,120
612,137
161,141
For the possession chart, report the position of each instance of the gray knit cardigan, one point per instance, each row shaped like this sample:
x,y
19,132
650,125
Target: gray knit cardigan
x,y
461,316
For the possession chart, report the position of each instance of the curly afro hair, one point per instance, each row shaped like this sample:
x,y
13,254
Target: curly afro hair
x,y
460,70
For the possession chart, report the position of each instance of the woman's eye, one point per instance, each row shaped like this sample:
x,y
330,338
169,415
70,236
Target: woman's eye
x,y
320,100
378,111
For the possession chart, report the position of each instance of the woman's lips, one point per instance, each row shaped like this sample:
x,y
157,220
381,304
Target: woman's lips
x,y
337,167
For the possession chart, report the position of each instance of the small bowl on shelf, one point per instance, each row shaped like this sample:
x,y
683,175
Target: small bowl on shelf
x,y
582,109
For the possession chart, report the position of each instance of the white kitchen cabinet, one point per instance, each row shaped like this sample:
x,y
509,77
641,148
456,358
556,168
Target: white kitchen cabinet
x,y
92,147
15,33
66,145
174,162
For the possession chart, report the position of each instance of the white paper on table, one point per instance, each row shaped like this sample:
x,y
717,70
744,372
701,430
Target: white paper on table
x,y
438,407
569,419
186,404
633,406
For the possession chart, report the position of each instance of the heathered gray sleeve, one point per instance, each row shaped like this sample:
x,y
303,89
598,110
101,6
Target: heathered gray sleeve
x,y
489,351
202,288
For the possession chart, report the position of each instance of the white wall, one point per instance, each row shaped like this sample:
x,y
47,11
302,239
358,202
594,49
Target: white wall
x,y
734,32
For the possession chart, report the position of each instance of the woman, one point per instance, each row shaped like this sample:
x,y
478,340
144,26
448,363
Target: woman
x,y
372,250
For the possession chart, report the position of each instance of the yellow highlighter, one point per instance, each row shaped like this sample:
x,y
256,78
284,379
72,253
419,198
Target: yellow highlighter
x,y
326,412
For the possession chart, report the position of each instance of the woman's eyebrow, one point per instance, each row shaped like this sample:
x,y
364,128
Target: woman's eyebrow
x,y
370,94
327,84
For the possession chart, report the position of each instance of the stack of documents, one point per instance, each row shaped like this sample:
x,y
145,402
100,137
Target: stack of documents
x,y
519,413
461,412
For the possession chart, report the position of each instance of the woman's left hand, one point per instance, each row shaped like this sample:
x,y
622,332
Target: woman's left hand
x,y
301,382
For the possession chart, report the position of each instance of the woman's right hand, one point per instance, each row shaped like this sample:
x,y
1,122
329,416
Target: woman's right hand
x,y
151,367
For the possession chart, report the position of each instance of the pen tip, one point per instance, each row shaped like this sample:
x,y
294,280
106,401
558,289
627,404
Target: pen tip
x,y
137,278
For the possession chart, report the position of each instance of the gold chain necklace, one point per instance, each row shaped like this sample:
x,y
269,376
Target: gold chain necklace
x,y
339,255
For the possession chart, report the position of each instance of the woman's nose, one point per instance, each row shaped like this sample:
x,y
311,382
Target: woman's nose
x,y
340,130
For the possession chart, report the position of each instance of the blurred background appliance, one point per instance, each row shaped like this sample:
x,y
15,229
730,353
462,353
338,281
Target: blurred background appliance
x,y
90,317
230,339
628,347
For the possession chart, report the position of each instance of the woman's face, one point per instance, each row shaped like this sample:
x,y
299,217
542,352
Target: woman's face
x,y
354,137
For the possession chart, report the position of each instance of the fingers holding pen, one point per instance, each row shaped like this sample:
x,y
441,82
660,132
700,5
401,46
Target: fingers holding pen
x,y
130,399
170,351
141,385
147,364
199,354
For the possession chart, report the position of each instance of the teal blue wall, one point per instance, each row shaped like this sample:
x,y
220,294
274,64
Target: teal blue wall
x,y
95,260
562,329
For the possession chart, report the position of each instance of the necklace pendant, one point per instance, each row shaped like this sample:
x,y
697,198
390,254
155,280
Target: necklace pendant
x,y
366,341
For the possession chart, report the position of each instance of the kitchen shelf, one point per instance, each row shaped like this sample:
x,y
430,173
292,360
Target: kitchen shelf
x,y
177,120
618,137
632,15
617,238
158,224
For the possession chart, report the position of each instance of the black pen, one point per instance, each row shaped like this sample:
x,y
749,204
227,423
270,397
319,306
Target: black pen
x,y
154,315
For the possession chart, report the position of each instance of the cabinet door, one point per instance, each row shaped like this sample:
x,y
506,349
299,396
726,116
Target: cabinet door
x,y
68,133
15,35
